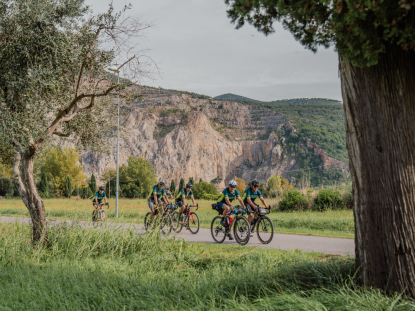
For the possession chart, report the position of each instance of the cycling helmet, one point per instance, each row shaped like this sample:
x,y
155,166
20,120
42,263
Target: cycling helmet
x,y
189,185
255,182
233,183
167,186
161,181
101,188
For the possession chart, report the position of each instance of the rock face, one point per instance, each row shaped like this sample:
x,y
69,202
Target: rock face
x,y
201,138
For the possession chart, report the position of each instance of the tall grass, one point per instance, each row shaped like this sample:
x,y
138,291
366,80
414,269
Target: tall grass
x,y
119,270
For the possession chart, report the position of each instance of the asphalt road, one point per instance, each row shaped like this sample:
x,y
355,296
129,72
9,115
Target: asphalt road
x,y
335,246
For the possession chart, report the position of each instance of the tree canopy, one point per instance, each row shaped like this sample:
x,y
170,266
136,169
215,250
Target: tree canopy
x,y
360,30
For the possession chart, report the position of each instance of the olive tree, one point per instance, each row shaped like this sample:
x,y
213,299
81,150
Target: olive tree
x,y
375,41
54,83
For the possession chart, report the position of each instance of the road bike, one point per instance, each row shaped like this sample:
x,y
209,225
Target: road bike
x,y
189,220
99,216
172,210
263,226
240,225
161,220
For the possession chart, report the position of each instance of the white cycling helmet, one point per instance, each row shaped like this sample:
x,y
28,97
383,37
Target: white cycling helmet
x,y
161,181
232,183
167,186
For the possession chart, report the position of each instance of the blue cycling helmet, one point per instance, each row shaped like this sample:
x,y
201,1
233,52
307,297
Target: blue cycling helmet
x,y
189,185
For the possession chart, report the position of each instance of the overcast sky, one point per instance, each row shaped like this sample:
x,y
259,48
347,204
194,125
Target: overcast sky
x,y
199,50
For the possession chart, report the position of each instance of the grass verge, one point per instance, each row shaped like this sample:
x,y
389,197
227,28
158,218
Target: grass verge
x,y
108,270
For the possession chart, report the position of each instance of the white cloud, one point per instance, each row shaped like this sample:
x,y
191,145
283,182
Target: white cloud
x,y
199,50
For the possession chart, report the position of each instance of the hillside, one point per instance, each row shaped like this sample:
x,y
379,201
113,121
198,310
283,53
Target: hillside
x,y
236,98
187,135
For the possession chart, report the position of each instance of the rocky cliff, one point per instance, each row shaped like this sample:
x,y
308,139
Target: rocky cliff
x,y
210,139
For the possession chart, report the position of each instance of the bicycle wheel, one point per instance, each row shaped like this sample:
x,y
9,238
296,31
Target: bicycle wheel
x,y
179,220
217,230
165,224
265,230
193,223
241,230
174,219
103,219
147,221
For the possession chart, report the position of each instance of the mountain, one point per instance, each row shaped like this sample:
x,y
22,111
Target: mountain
x,y
185,135
236,98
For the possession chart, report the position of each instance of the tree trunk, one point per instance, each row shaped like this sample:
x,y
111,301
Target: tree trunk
x,y
379,106
25,183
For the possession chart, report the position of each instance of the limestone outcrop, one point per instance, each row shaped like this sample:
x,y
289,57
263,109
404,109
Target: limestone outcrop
x,y
202,138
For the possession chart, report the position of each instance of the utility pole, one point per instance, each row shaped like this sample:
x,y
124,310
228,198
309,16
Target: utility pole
x,y
118,138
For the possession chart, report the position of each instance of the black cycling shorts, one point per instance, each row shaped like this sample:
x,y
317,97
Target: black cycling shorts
x,y
250,209
99,202
179,202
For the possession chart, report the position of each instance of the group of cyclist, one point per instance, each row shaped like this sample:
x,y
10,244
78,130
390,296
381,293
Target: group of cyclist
x,y
161,192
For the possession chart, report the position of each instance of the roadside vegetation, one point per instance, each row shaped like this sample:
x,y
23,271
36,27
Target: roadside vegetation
x,y
119,270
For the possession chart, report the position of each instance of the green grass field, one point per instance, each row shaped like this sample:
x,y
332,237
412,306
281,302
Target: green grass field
x,y
330,223
110,270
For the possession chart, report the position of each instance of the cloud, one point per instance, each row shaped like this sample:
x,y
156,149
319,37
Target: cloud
x,y
199,50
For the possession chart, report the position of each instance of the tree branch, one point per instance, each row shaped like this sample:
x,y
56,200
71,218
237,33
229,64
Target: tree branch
x,y
86,57
61,134
16,170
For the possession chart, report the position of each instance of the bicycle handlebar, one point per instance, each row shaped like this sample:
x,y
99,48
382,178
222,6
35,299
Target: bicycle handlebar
x,y
197,206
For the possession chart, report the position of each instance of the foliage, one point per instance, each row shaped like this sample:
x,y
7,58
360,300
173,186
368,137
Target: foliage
x,y
86,193
162,130
181,184
241,186
359,29
109,174
6,186
60,163
138,169
68,188
173,187
328,199
93,184
205,190
293,200
44,186
130,190
278,184
191,180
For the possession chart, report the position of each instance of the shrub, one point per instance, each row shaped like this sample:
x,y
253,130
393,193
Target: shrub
x,y
293,200
209,197
86,193
328,199
204,188
130,191
348,200
6,186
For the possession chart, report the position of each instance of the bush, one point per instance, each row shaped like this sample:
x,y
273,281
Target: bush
x,y
6,186
293,200
130,191
328,199
86,193
204,188
209,197
348,200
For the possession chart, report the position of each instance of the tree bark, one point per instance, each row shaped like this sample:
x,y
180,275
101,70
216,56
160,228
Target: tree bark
x,y
379,106
25,183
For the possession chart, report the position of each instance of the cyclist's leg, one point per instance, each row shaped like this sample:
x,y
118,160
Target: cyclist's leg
x,y
152,208
249,211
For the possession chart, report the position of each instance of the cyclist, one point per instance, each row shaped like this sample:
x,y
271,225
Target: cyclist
x,y
187,192
157,193
168,193
97,200
224,203
251,193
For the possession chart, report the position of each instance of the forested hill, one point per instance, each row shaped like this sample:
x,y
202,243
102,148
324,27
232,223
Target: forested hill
x,y
237,98
294,101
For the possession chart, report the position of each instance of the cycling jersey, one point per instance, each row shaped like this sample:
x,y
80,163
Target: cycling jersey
x,y
227,194
183,194
251,194
160,193
99,196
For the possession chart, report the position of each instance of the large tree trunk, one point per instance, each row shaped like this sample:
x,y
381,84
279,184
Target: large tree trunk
x,y
379,105
25,183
